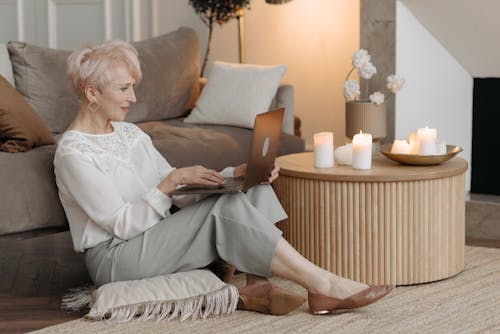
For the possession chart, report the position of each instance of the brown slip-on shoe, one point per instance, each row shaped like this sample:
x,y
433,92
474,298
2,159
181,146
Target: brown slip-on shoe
x,y
268,298
320,304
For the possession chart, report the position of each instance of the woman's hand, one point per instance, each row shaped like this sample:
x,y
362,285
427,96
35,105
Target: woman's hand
x,y
190,175
241,170
274,174
197,175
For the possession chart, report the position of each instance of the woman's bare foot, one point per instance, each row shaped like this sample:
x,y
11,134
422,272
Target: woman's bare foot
x,y
343,288
290,264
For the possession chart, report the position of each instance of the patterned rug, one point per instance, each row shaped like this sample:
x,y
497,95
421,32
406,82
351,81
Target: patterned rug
x,y
466,303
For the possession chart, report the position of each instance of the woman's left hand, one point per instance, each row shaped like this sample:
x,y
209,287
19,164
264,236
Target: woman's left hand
x,y
241,170
274,174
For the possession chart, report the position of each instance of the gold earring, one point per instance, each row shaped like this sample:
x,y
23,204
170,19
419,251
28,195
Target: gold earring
x,y
91,108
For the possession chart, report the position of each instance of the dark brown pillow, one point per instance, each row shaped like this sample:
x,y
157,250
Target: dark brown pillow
x,y
21,128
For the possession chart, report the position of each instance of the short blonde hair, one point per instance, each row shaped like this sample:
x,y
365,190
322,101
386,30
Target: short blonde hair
x,y
92,65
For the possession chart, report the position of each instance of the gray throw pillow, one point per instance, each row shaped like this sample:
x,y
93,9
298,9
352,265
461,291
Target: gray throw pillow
x,y
170,65
170,69
5,65
40,75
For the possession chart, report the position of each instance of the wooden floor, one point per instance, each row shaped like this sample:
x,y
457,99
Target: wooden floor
x,y
35,272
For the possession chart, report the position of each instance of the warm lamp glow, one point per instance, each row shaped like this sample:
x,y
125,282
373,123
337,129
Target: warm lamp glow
x,y
241,29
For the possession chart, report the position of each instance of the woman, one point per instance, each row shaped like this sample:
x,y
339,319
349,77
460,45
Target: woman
x,y
115,188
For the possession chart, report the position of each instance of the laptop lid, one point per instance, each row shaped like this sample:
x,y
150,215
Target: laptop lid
x,y
263,150
264,147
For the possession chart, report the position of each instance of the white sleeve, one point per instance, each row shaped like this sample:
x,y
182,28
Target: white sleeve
x,y
99,199
163,166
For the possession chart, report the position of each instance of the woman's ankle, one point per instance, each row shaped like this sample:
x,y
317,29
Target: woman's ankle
x,y
319,286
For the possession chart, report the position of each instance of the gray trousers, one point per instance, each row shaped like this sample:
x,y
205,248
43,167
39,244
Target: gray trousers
x,y
238,228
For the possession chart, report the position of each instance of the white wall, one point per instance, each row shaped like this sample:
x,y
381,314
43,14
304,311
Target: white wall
x,y
314,38
468,29
439,89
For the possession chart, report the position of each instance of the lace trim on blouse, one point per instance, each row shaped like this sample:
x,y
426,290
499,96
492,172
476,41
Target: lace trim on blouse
x,y
116,144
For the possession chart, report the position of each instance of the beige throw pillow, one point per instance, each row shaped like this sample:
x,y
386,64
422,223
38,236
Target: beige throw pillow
x,y
236,93
191,294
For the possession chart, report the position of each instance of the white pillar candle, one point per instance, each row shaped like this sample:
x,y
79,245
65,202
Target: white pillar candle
x,y
440,147
362,151
400,147
426,139
412,140
323,150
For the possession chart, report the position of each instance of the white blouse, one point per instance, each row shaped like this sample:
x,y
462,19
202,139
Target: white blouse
x,y
108,184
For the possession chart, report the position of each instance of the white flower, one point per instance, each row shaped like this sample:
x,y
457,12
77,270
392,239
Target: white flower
x,y
395,83
367,71
360,58
377,98
362,63
351,90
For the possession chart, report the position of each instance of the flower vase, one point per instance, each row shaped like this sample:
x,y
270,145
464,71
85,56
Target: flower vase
x,y
367,117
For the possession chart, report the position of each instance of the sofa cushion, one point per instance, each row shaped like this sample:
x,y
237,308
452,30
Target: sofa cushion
x,y
169,87
236,93
20,127
30,199
40,75
6,65
212,146
170,69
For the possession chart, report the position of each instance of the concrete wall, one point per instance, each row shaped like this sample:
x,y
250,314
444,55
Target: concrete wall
x,y
378,36
314,38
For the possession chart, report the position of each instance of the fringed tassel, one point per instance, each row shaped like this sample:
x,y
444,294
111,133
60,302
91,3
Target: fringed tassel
x,y
217,302
78,298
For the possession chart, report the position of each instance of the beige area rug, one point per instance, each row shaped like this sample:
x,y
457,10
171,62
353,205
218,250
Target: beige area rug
x,y
466,303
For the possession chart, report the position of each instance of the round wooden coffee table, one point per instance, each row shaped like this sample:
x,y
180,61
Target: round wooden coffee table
x,y
393,224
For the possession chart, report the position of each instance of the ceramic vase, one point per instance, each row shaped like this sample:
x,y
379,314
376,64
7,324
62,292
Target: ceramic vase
x,y
367,117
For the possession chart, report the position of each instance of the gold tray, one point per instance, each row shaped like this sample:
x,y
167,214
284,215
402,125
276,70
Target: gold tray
x,y
421,160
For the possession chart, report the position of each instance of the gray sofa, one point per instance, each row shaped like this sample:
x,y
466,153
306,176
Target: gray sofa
x,y
169,89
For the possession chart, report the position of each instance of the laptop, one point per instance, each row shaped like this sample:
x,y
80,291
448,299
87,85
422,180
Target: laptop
x,y
263,150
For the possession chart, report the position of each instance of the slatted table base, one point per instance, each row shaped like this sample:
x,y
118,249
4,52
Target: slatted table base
x,y
402,232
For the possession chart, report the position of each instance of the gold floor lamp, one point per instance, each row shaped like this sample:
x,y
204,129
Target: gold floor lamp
x,y
241,29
